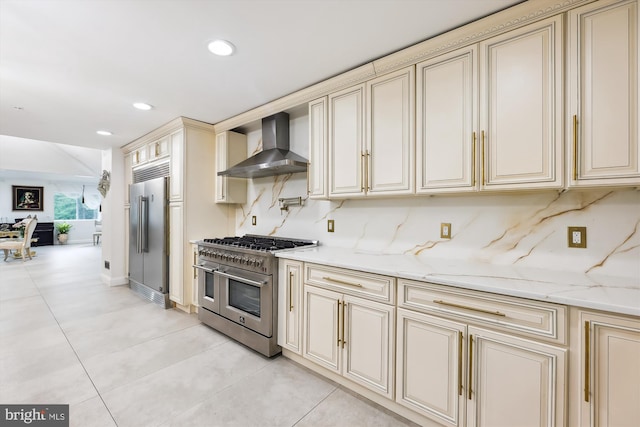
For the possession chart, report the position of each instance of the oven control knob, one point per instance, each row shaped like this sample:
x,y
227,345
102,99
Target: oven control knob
x,y
251,261
258,263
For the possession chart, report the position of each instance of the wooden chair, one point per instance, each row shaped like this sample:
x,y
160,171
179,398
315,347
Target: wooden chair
x,y
22,245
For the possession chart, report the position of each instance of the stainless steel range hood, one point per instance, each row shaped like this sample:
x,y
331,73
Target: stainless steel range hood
x,y
275,157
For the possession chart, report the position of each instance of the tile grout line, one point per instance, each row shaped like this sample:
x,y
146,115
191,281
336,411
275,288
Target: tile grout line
x,y
315,406
72,349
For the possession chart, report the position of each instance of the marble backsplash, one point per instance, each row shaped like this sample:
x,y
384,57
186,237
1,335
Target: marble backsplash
x,y
517,229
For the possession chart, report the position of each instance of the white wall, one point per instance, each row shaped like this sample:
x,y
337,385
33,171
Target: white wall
x,y
525,229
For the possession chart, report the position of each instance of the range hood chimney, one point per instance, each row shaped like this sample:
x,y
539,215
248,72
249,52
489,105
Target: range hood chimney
x,y
275,157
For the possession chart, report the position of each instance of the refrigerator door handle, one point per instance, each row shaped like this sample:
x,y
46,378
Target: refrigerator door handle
x,y
144,224
139,228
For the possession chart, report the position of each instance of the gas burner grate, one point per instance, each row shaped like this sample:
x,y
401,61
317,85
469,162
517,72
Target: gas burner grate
x,y
260,243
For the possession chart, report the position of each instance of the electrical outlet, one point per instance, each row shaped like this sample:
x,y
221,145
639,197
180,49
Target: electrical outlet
x,y
445,230
577,237
330,226
107,265
254,221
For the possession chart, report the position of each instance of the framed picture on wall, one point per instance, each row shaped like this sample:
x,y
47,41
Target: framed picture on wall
x,y
27,198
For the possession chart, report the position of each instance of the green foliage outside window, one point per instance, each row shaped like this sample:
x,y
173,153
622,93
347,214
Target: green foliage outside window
x,y
66,208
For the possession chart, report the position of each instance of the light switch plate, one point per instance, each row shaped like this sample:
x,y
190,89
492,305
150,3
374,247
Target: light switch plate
x,y
445,230
330,226
577,237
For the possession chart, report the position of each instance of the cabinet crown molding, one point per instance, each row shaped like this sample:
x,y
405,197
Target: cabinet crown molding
x,y
474,32
166,129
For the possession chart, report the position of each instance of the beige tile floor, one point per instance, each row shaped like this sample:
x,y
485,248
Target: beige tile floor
x,y
118,360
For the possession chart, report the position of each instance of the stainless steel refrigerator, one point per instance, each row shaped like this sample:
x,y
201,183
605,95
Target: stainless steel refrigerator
x,y
148,239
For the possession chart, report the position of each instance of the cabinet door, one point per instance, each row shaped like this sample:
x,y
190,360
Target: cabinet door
x,y
431,366
447,97
231,149
602,117
390,146
290,305
177,168
346,143
322,312
316,172
140,156
521,107
176,264
159,149
610,371
368,338
514,382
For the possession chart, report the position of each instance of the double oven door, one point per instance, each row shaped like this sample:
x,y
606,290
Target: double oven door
x,y
241,296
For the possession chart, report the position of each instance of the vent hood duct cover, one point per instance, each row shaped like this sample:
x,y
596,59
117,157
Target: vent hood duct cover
x,y
275,157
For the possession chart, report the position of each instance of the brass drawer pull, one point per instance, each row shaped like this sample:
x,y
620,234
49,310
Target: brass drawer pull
x,y
450,304
290,291
587,361
342,282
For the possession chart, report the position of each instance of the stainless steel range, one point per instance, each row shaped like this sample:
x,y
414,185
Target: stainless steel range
x,y
238,287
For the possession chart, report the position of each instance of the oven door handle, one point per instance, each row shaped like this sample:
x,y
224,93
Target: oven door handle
x,y
208,270
241,279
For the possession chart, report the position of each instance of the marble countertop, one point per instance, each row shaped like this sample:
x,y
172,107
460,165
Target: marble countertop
x,y
608,293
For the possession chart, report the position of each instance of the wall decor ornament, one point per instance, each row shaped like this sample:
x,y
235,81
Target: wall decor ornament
x,y
105,183
27,198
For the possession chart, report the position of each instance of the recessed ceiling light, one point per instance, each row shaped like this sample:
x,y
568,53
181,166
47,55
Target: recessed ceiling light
x,y
142,106
221,48
104,132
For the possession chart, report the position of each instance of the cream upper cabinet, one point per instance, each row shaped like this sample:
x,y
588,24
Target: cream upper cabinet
x,y
608,390
521,94
371,137
290,305
176,167
317,170
231,149
390,142
602,114
447,122
159,149
140,156
346,142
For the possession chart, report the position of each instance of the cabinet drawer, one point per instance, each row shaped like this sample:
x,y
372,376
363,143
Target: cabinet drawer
x,y
367,285
531,318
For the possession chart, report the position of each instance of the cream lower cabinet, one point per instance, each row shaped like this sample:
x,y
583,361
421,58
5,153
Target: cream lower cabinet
x,y
608,369
602,116
290,305
350,336
455,370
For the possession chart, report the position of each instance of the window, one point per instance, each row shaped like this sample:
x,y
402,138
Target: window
x,y
66,207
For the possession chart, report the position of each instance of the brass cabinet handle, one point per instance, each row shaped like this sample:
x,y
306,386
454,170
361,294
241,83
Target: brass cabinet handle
x,y
482,159
473,160
290,287
344,311
137,157
368,170
459,363
308,176
342,282
470,364
338,323
575,147
157,149
364,170
450,304
587,360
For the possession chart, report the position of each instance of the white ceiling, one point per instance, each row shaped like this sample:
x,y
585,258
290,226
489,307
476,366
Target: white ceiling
x,y
74,67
